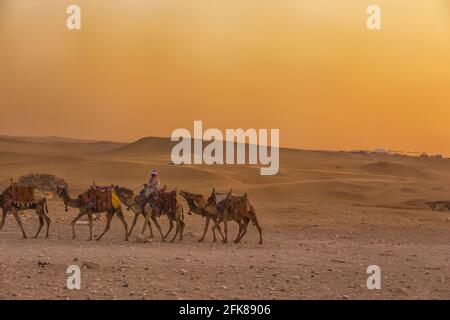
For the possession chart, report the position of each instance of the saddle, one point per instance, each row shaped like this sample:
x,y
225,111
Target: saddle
x,y
167,201
98,198
21,193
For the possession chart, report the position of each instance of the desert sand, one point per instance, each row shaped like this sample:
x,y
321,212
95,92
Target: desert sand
x,y
326,217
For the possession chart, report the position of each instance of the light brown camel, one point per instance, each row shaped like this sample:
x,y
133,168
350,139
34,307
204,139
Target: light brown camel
x,y
234,208
137,204
197,204
85,209
38,204
155,208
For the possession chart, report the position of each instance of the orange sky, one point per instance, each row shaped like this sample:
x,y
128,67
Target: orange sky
x,y
311,68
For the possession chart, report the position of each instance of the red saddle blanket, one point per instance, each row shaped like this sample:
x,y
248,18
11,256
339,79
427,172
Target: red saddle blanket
x,y
98,198
21,192
167,201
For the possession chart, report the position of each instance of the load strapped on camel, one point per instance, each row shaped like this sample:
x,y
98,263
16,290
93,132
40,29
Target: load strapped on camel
x,y
167,201
22,195
100,198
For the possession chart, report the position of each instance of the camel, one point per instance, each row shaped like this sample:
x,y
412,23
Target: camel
x,y
234,208
197,204
85,209
137,204
153,209
39,205
439,205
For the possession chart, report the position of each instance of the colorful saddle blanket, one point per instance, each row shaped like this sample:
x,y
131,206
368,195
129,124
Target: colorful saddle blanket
x,y
21,192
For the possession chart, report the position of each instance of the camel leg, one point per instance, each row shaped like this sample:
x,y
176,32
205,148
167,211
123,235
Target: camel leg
x,y
182,224
176,232
119,213
170,227
241,227
225,230
16,215
109,216
220,230
255,221
208,219
151,229
244,229
90,225
133,224
3,219
80,214
216,225
159,227
41,224
47,220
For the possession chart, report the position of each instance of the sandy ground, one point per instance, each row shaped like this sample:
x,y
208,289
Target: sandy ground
x,y
310,251
326,217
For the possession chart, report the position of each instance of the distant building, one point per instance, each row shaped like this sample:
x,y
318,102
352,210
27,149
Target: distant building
x,y
380,151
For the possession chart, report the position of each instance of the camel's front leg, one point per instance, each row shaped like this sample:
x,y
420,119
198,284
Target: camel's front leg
x,y
170,227
225,229
208,219
109,216
74,221
119,213
133,224
159,227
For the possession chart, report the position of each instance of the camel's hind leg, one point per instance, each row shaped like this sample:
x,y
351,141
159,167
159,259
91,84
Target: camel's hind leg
x,y
225,230
42,215
119,213
90,225
41,224
47,220
16,215
109,216
3,219
255,222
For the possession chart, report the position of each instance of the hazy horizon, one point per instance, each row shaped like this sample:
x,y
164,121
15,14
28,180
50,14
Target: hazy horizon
x,y
309,68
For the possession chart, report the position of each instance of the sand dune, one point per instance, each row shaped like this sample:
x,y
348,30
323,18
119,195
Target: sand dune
x,y
325,217
328,177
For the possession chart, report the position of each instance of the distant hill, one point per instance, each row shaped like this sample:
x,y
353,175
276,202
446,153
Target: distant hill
x,y
54,145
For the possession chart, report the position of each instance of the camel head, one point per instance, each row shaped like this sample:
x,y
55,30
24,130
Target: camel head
x,y
62,193
60,190
217,197
193,200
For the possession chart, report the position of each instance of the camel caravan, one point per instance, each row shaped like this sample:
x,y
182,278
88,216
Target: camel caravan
x,y
152,203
